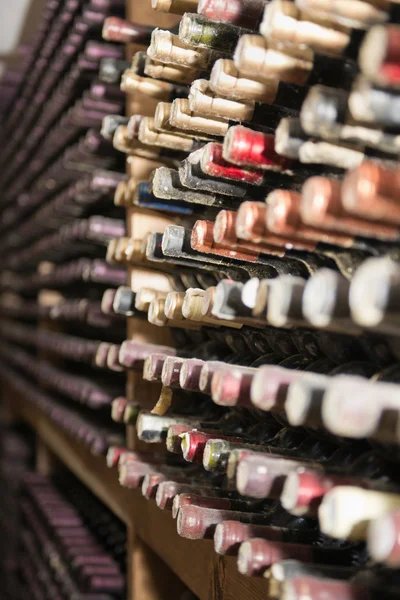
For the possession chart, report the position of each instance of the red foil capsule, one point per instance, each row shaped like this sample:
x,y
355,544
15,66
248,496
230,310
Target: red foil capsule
x,y
213,164
269,387
189,376
392,44
307,487
113,455
391,72
244,146
197,500
382,66
150,484
173,441
231,388
230,534
304,490
207,372
257,555
263,475
193,444
131,475
167,490
153,367
196,522
205,500
251,224
171,370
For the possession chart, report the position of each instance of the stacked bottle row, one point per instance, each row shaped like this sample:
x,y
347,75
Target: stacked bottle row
x,y
16,459
274,125
58,176
73,547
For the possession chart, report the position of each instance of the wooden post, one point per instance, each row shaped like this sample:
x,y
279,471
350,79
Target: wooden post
x,y
46,462
149,578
